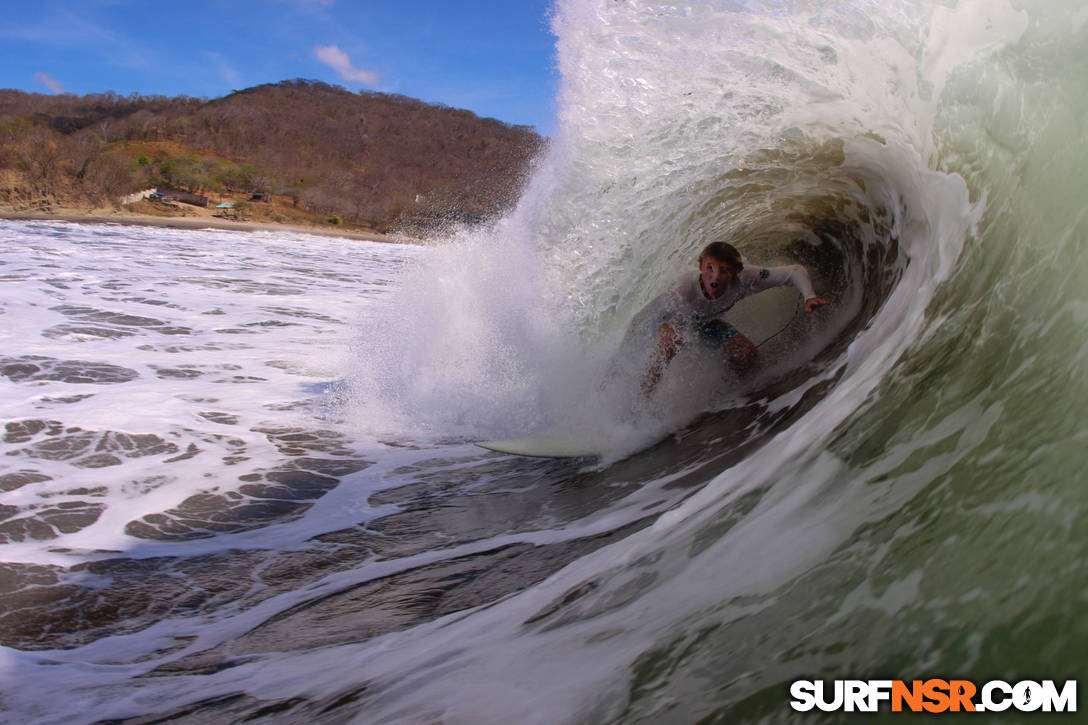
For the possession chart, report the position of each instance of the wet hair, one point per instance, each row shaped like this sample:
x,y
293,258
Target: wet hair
x,y
725,253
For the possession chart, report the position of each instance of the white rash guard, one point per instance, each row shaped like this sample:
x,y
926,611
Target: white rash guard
x,y
685,305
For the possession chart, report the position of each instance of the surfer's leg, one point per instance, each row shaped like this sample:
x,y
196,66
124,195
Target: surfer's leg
x,y
668,344
739,351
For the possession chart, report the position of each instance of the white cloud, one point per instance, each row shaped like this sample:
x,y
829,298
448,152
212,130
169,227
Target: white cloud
x,y
49,82
339,61
227,72
69,30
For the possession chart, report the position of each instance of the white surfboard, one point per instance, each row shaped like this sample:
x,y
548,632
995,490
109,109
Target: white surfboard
x,y
576,440
551,444
762,316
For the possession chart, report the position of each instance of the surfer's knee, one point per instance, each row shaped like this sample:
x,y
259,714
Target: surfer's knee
x,y
741,354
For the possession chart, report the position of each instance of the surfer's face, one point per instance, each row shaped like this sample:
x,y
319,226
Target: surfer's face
x,y
714,275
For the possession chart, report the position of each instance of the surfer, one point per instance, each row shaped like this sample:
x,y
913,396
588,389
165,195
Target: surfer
x,y
691,308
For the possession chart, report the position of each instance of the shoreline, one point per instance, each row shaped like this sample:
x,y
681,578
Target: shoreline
x,y
197,222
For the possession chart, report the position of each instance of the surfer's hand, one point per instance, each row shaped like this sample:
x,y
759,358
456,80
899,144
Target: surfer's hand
x,y
813,302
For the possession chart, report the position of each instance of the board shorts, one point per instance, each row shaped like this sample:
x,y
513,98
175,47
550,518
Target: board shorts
x,y
716,332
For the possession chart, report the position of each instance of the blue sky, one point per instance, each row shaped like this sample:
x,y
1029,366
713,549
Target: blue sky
x,y
494,58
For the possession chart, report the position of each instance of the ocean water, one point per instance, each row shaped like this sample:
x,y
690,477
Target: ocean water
x,y
239,479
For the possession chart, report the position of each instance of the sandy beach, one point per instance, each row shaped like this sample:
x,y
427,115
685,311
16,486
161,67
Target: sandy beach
x,y
194,218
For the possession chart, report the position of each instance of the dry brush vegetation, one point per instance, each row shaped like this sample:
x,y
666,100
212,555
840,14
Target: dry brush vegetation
x,y
376,160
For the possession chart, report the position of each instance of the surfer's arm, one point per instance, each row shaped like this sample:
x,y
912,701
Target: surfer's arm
x,y
791,274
